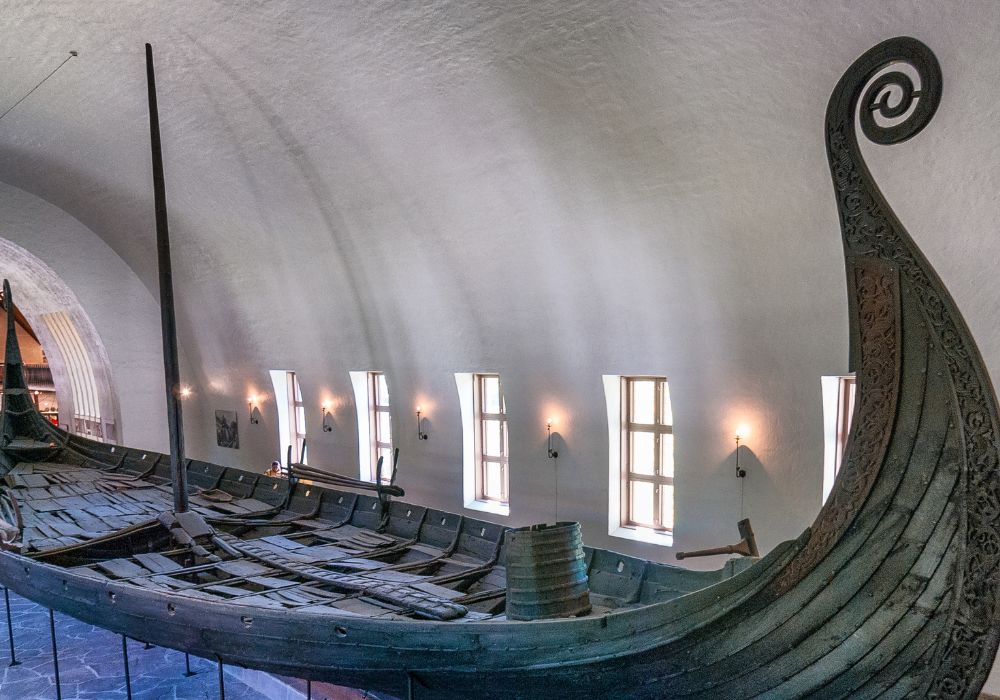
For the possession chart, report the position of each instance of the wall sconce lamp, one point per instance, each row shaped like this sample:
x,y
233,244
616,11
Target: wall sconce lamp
x,y
184,392
254,410
741,434
553,454
421,435
327,418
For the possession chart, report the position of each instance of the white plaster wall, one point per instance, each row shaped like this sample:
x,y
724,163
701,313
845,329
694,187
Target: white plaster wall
x,y
554,190
81,275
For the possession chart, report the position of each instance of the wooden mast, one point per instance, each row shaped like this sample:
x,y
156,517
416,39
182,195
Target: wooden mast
x,y
168,320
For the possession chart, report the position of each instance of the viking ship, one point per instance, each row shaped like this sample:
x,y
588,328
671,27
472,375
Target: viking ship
x,y
892,592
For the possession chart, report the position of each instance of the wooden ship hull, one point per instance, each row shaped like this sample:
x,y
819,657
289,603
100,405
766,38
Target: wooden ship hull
x,y
891,593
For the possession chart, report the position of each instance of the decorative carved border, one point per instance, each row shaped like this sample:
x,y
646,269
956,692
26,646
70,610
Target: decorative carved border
x,y
874,286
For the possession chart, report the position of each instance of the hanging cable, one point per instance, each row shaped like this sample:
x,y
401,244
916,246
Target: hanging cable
x,y
72,54
742,484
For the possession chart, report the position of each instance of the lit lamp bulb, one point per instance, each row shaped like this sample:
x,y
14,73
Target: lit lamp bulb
x,y
185,392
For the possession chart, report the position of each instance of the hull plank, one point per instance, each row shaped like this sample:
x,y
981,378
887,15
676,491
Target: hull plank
x,y
838,678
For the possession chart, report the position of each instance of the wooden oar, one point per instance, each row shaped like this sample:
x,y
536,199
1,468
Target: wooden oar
x,y
305,472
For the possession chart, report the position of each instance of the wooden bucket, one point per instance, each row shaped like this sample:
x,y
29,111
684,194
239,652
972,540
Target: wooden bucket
x,y
546,572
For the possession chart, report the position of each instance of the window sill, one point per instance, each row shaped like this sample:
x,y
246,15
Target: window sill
x,y
489,507
643,534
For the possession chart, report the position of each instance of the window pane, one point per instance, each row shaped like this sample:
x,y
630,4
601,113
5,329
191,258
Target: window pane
x,y
666,455
384,426
641,460
492,438
666,414
667,506
643,393
492,481
382,390
386,455
852,388
491,394
642,503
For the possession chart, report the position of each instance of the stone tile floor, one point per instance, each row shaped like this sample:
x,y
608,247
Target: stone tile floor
x,y
91,666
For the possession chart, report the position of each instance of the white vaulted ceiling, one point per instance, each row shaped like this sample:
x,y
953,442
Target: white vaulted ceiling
x,y
554,190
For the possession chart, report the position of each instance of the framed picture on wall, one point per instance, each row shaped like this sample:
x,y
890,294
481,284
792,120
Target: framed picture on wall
x,y
227,432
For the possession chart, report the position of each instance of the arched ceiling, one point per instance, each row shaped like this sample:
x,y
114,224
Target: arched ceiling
x,y
323,144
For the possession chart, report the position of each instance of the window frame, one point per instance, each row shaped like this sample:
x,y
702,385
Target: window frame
x,y
376,440
291,415
839,405
661,395
847,389
502,460
297,416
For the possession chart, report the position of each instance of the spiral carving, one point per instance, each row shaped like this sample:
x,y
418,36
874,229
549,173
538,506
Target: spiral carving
x,y
880,98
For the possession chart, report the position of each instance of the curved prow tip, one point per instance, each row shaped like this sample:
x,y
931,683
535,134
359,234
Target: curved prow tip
x,y
19,417
12,354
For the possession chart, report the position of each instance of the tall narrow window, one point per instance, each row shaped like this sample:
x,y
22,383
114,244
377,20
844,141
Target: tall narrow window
x,y
491,440
647,457
291,415
838,409
297,411
371,396
380,422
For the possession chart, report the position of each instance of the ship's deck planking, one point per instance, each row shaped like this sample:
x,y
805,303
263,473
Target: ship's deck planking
x,y
892,593
267,542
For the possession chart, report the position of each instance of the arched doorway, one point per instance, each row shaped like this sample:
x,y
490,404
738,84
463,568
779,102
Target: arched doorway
x,y
71,355
37,372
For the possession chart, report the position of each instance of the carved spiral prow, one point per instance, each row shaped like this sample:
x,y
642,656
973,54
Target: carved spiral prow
x,y
891,95
891,108
893,91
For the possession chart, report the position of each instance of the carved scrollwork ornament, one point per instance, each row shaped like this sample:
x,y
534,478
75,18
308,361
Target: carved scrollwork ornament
x,y
890,108
892,104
